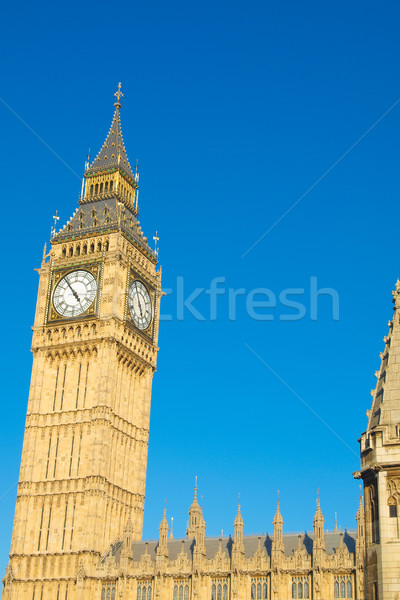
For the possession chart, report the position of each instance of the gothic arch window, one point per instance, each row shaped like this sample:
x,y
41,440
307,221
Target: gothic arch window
x,y
91,190
113,593
219,592
175,592
306,590
106,187
294,590
93,213
181,592
253,591
84,249
144,590
108,593
258,591
349,589
336,589
96,189
186,592
99,247
149,593
91,247
139,593
265,592
300,590
101,188
214,592
64,253
225,592
71,251
106,246
392,507
342,589
103,593
78,250
111,186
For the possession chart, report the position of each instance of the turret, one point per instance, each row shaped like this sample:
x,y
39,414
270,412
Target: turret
x,y
238,525
162,548
318,523
277,543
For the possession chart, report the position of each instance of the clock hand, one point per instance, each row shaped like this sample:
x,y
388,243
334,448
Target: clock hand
x,y
140,307
72,289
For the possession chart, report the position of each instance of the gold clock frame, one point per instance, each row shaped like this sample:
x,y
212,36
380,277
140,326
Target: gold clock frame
x,y
57,275
149,332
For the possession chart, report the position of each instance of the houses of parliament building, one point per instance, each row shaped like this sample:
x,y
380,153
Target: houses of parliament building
x,y
77,531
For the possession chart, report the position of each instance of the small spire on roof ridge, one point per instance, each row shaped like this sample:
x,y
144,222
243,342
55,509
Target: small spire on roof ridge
x,y
171,532
336,530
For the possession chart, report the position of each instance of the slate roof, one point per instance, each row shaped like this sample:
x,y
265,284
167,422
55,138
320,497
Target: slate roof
x,y
101,216
112,153
290,540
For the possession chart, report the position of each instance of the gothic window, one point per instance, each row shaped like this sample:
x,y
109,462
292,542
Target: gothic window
x,y
78,250
144,590
219,592
95,222
349,589
149,593
181,592
99,247
139,593
106,246
342,589
64,253
96,189
103,593
294,590
111,186
92,247
108,593
101,188
253,591
265,591
71,251
336,589
306,590
214,592
93,213
258,591
84,251
106,186
113,593
225,593
175,592
91,190
300,590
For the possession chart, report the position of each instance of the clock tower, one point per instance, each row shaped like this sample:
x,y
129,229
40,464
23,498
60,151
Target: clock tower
x,y
83,465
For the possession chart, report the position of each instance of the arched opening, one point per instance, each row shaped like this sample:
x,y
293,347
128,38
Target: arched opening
x,y
84,249
64,253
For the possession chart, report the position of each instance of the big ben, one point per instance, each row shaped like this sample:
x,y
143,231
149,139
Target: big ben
x,y
83,465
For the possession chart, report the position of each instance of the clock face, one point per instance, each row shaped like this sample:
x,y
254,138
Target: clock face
x,y
139,304
74,293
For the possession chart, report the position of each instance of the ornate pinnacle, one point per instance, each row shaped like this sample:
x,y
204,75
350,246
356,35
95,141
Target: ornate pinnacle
x,y
118,94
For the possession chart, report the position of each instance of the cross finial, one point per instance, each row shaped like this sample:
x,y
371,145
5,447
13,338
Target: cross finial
x,y
118,94
54,227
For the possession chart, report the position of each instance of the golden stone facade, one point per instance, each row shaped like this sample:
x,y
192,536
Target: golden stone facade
x,y
79,512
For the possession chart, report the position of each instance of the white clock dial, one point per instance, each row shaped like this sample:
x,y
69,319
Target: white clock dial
x,y
139,304
74,293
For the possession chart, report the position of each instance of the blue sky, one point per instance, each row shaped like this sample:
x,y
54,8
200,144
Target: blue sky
x,y
234,111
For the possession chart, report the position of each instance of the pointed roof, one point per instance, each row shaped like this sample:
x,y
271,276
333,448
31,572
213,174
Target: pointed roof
x,y
164,520
239,519
385,409
278,519
112,153
318,517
